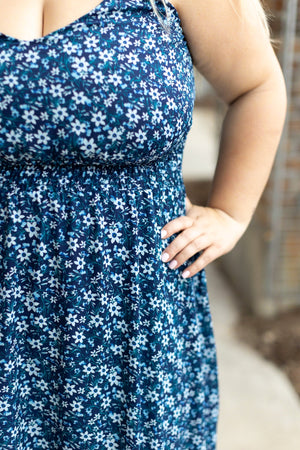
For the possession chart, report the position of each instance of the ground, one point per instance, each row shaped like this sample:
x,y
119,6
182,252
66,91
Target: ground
x,y
276,339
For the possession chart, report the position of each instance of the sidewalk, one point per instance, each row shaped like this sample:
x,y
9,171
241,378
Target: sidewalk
x,y
259,408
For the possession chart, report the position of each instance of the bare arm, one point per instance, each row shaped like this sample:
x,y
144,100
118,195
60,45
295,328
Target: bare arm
x,y
250,135
236,57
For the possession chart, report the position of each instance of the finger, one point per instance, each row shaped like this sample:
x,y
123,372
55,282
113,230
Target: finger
x,y
208,255
179,243
198,244
175,225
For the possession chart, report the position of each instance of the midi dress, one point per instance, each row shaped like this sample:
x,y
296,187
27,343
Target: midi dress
x,y
102,345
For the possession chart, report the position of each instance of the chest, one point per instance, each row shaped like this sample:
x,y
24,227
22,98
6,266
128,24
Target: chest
x,y
36,18
112,85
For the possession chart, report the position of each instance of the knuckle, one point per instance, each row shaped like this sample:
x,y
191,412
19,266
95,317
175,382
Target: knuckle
x,y
194,268
206,258
184,239
180,242
220,245
183,256
188,220
217,250
196,265
191,248
199,263
196,244
222,250
210,255
173,248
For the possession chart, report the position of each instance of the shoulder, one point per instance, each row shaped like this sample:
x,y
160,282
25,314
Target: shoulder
x,y
227,43
235,8
244,16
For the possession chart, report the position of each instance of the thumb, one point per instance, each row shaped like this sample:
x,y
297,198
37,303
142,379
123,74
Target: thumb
x,y
188,203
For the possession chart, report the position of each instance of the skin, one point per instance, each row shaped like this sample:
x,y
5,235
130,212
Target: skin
x,y
32,19
237,59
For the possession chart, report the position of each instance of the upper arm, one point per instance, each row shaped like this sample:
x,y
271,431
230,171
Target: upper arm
x,y
234,54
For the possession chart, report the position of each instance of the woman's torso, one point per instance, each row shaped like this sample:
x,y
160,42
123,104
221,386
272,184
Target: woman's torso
x,y
109,87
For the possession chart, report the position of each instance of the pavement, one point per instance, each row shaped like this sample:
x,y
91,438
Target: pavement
x,y
259,408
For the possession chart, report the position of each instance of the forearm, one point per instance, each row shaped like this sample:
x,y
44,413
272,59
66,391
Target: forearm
x,y
249,140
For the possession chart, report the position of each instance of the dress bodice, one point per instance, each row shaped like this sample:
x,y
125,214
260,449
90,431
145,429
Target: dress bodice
x,y
113,87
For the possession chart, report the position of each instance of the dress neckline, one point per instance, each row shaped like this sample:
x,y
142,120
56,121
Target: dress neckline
x,y
102,4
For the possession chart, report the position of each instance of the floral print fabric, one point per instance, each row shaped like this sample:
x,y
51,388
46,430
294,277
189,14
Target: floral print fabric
x,y
102,345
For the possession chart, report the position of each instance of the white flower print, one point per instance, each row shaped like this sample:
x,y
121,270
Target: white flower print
x,y
80,64
78,127
114,234
102,345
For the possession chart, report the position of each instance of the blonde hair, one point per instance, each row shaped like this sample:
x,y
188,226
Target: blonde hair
x,y
253,10
246,8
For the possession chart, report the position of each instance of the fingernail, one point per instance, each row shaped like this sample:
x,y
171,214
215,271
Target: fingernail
x,y
173,264
163,233
185,273
164,257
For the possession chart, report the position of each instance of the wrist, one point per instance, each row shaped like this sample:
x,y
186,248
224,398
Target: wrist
x,y
237,217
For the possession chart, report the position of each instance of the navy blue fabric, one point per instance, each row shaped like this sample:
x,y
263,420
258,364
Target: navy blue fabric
x,y
102,345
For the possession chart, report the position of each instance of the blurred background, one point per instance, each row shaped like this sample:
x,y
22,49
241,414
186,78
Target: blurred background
x,y
255,289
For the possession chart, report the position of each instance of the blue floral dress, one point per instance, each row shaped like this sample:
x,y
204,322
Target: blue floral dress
x,y
102,345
